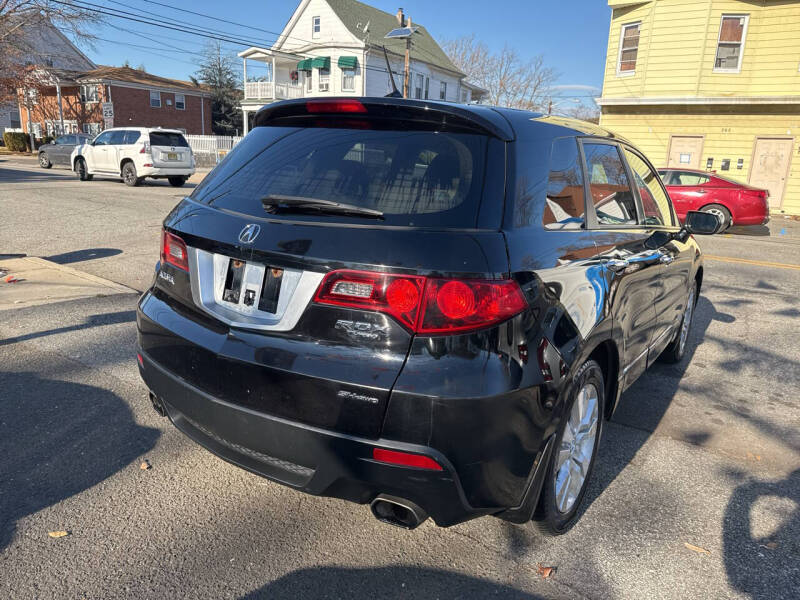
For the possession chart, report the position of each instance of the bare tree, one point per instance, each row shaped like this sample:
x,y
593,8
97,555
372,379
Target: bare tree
x,y
510,79
584,112
16,48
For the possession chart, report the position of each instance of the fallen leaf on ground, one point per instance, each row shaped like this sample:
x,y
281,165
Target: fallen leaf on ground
x,y
697,549
544,572
57,534
770,545
145,465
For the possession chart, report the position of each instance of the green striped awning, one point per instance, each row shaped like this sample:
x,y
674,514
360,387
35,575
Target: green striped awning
x,y
304,65
321,62
348,62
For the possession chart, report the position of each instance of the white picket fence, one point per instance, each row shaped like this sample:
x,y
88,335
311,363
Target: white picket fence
x,y
211,144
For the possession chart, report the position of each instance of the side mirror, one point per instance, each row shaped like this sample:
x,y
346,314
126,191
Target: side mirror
x,y
701,223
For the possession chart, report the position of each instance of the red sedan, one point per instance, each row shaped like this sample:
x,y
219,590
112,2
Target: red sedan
x,y
733,202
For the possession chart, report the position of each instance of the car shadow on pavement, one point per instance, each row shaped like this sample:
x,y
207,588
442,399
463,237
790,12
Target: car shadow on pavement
x,y
57,439
383,582
11,175
644,404
760,557
67,258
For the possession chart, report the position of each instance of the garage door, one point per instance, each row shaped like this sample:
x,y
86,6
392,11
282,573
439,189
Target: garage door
x,y
771,158
685,151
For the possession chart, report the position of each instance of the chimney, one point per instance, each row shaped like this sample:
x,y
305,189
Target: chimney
x,y
400,18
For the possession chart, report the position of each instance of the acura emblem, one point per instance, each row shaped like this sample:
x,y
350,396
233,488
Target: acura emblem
x,y
249,234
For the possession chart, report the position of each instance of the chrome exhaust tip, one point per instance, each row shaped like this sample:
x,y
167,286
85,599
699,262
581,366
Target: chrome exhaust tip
x,y
397,511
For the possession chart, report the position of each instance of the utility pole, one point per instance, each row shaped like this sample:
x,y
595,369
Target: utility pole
x,y
550,107
407,73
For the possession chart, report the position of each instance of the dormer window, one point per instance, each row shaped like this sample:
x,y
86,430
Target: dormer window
x,y
315,27
90,93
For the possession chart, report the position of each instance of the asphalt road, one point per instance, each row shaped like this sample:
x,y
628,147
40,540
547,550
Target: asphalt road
x,y
705,453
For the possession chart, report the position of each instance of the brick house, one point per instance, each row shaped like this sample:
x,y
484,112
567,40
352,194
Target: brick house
x,y
67,101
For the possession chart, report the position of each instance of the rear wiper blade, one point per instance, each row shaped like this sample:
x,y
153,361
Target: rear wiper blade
x,y
279,203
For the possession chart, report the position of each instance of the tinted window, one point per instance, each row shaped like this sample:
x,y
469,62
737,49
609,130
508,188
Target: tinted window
x,y
103,138
131,136
613,200
565,196
414,177
167,138
687,178
63,140
117,137
655,202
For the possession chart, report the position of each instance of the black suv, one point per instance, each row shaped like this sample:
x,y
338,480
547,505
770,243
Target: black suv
x,y
427,307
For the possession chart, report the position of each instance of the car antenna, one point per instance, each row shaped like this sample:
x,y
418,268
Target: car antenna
x,y
395,93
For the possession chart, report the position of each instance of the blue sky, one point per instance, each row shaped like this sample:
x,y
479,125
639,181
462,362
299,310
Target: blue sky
x,y
571,34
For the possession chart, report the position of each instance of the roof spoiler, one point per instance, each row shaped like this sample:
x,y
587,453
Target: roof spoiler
x,y
363,110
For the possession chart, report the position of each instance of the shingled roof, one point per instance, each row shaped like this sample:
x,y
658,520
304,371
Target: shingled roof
x,y
355,15
129,75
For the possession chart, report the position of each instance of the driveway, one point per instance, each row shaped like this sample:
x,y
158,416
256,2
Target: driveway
x,y
696,493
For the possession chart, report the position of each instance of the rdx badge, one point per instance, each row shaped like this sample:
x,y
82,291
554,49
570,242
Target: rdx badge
x,y
362,329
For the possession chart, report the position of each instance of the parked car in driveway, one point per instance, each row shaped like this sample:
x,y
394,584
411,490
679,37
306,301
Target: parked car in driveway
x,y
58,151
135,153
428,307
733,202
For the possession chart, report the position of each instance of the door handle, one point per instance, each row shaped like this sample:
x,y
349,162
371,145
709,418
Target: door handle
x,y
617,264
666,259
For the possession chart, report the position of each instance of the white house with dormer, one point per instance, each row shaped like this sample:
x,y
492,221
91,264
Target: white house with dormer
x,y
335,48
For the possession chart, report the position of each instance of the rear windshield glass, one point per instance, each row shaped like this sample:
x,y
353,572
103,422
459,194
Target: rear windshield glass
x,y
416,178
165,138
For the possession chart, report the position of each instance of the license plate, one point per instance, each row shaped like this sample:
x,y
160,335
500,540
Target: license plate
x,y
252,287
172,156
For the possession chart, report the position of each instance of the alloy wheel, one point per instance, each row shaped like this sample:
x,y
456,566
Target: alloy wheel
x,y
43,160
577,448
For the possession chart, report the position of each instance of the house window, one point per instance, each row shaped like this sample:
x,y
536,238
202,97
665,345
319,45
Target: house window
x,y
315,27
443,91
309,81
91,128
730,47
180,102
628,49
31,96
348,80
324,80
418,89
15,120
463,96
155,99
427,85
90,93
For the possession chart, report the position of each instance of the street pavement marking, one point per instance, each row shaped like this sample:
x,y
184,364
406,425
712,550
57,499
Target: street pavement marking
x,y
760,263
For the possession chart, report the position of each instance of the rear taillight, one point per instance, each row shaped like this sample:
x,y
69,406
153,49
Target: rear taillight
x,y
173,251
426,305
335,106
145,148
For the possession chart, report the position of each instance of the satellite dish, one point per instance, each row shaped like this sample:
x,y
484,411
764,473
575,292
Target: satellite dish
x,y
401,33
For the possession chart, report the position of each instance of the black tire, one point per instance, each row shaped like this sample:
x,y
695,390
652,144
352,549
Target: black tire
x,y
549,518
81,170
676,349
176,180
44,160
129,175
723,214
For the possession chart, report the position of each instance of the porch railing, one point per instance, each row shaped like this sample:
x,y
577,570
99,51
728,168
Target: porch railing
x,y
268,89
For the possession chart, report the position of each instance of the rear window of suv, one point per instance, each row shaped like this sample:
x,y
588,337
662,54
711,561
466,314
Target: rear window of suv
x,y
416,178
166,138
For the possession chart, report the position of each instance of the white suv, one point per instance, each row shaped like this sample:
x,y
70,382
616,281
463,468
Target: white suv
x,y
134,153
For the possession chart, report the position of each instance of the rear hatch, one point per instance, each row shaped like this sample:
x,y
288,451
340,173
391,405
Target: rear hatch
x,y
308,247
170,149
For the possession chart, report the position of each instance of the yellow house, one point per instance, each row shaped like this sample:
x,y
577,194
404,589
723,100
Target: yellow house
x,y
710,84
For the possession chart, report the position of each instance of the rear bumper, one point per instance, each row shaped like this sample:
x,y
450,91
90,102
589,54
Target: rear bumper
x,y
751,219
307,458
166,172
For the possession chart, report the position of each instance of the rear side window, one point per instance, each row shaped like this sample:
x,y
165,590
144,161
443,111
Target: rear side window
x,y
655,202
416,178
565,192
167,138
687,178
132,136
611,192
